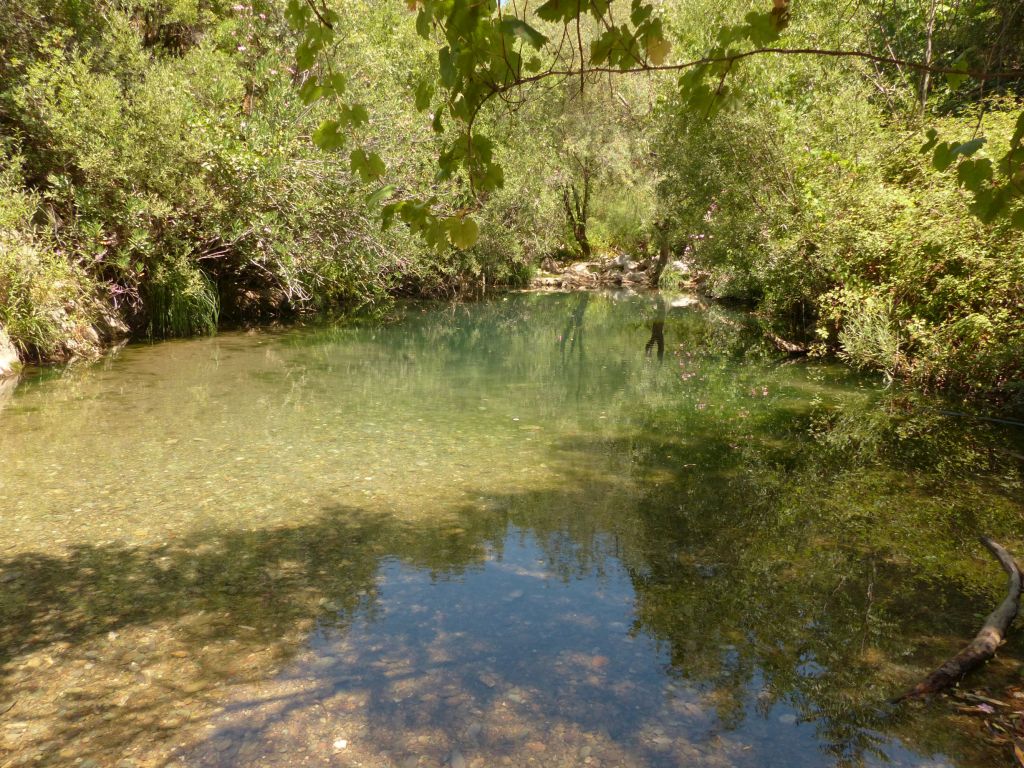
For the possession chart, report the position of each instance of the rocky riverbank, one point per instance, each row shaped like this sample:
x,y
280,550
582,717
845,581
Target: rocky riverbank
x,y
619,271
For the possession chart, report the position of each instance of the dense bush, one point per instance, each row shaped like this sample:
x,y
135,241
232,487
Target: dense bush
x,y
811,200
48,304
165,169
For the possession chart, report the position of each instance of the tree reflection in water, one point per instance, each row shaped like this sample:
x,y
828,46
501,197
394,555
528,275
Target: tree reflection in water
x,y
724,561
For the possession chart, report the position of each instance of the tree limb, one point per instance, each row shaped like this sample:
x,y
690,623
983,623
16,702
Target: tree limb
x,y
988,639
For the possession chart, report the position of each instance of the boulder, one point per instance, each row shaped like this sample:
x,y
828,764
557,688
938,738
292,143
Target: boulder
x,y
10,363
550,283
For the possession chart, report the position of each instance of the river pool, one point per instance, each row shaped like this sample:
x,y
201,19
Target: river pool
x,y
539,530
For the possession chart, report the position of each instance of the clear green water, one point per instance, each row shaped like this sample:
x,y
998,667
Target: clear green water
x,y
492,534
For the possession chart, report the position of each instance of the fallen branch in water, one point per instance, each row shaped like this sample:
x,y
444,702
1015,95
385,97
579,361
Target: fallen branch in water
x,y
788,347
985,643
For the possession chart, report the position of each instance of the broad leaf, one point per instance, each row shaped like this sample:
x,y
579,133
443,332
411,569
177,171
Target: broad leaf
x,y
424,93
376,198
463,232
368,166
657,50
328,136
522,30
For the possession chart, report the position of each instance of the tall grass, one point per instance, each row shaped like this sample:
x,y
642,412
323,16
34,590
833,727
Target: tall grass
x,y
181,300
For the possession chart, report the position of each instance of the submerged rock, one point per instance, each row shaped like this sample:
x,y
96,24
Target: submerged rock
x,y
7,387
456,760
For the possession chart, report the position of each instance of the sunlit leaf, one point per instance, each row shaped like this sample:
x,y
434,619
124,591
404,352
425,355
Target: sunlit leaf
x,y
376,198
559,10
463,232
328,136
658,50
369,166
519,28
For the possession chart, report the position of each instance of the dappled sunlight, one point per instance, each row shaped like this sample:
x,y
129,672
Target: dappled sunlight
x,y
452,540
551,676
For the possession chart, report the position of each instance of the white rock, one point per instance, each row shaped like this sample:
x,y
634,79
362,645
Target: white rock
x,y
10,363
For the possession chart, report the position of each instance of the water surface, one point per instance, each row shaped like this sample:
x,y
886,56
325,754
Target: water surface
x,y
540,530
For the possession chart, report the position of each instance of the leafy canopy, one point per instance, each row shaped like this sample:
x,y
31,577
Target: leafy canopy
x,y
487,50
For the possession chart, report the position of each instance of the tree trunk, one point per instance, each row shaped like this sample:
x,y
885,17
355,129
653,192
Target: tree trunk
x,y
926,76
576,212
664,251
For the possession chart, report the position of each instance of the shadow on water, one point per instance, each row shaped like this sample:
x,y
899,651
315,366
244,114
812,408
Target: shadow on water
x,y
688,622
725,575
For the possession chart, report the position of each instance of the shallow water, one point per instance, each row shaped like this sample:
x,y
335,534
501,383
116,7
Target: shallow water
x,y
492,534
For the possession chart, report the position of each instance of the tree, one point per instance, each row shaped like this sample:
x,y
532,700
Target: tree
x,y
490,51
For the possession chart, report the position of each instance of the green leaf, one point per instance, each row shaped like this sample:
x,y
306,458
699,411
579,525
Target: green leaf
x,y
375,167
601,48
519,28
956,79
446,66
490,177
328,136
305,53
355,115
311,91
657,50
336,83
435,234
376,198
424,93
297,13
462,231
561,10
933,139
762,28
369,166
640,13
387,214
423,23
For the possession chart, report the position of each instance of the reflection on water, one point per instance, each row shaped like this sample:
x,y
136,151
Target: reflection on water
x,y
511,663
498,534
